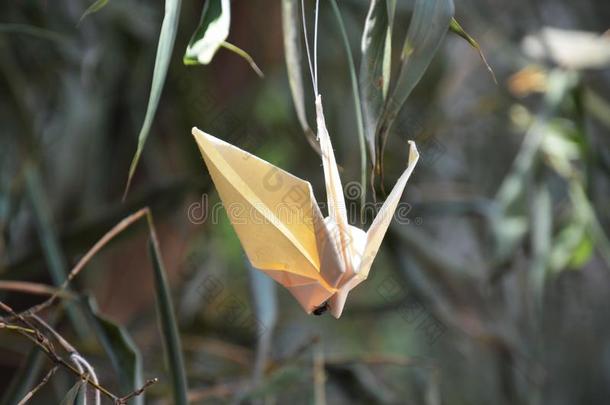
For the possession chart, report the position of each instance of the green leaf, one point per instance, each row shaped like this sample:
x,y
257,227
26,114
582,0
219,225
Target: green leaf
x,y
93,8
457,29
49,239
582,253
293,55
76,394
565,244
376,48
212,31
167,322
541,223
120,348
428,27
357,105
164,53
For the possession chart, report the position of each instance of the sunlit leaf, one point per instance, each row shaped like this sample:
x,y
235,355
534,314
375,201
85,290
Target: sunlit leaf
x,y
582,253
375,67
164,54
212,31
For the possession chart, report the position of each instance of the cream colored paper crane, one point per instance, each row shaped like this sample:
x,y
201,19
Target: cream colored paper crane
x,y
281,228
279,223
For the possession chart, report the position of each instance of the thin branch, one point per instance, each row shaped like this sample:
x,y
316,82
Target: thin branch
x,y
148,383
33,288
118,228
16,328
46,346
34,390
313,78
245,55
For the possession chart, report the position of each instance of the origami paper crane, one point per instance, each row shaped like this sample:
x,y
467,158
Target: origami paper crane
x,y
281,228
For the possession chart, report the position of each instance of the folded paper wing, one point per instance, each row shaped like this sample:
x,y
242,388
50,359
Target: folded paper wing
x,y
277,220
365,255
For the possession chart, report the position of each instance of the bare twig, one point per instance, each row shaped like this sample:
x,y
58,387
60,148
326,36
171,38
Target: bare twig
x,y
16,327
139,391
34,390
40,340
81,368
33,288
118,228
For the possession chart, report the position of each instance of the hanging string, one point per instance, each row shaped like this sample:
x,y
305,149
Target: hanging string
x,y
315,47
313,68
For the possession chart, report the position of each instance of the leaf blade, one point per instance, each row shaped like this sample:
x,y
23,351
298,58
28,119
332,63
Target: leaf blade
x,y
167,321
120,348
457,29
428,27
165,46
93,8
374,67
212,31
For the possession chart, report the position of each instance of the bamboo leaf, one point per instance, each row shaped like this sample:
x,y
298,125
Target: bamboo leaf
x,y
167,321
93,8
429,24
357,105
457,29
212,31
49,239
292,53
375,65
120,348
76,394
164,52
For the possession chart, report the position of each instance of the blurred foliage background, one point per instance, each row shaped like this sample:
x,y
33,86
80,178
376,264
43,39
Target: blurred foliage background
x,y
497,291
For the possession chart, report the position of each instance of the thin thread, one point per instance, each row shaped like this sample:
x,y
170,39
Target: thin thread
x,y
315,47
311,71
